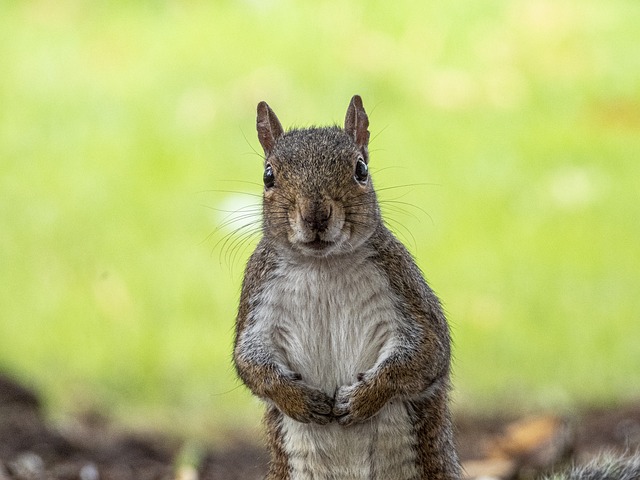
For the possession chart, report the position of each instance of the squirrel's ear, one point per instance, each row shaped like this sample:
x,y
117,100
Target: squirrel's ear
x,y
356,123
269,127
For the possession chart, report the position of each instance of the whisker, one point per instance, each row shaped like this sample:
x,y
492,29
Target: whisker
x,y
237,249
251,146
388,204
230,236
256,208
247,182
239,246
231,219
372,139
401,229
257,195
408,185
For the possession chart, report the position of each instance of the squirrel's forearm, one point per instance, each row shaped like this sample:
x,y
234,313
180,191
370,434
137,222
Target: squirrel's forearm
x,y
259,368
413,366
270,379
407,374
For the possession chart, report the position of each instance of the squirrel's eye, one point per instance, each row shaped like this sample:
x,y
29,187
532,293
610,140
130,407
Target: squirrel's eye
x,y
362,171
268,177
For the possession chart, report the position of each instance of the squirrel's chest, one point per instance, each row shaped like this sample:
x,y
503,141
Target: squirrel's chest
x,y
330,321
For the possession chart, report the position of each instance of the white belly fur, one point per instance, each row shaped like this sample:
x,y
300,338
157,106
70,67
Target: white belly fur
x,y
329,323
381,448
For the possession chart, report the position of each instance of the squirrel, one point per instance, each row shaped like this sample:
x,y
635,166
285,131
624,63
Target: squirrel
x,y
337,330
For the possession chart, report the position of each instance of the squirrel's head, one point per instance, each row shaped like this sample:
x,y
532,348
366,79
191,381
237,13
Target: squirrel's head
x,y
318,197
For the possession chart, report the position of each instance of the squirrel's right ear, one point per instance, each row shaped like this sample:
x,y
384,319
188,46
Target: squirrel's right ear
x,y
269,127
356,123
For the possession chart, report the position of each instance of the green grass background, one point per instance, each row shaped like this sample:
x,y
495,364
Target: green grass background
x,y
126,127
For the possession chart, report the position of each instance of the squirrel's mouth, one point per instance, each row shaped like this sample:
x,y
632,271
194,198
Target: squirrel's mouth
x,y
317,244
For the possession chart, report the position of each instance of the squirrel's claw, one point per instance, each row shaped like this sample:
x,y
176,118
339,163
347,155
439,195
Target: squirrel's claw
x,y
342,407
306,404
358,402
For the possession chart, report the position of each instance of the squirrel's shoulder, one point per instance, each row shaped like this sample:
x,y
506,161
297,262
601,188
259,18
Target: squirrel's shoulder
x,y
403,271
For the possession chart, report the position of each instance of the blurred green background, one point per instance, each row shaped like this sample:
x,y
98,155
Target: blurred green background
x,y
127,134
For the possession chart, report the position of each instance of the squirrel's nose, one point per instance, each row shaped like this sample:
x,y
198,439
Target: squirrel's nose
x,y
317,218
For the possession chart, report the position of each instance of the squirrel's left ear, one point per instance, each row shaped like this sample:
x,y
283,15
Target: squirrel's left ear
x,y
356,123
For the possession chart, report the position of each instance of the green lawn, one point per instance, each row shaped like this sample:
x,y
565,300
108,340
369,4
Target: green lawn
x,y
127,131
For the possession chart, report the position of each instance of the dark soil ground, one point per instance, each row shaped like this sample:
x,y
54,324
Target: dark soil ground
x,y
92,449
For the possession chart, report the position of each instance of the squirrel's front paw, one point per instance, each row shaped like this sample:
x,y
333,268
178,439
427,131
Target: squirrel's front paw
x,y
304,403
358,402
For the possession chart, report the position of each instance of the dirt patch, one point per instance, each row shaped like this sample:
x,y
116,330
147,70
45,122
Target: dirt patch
x,y
91,448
